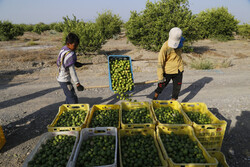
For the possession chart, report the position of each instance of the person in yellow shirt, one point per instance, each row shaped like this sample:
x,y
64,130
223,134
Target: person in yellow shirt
x,y
170,65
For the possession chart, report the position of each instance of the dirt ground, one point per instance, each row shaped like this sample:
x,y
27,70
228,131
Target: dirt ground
x,y
30,95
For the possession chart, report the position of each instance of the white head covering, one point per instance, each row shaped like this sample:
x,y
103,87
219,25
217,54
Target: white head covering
x,y
174,37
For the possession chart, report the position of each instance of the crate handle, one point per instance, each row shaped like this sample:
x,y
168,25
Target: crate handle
x,y
164,102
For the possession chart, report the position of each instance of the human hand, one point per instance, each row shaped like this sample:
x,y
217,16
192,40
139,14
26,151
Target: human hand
x,y
161,84
79,87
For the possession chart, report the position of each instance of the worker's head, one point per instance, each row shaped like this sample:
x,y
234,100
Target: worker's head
x,y
174,38
72,41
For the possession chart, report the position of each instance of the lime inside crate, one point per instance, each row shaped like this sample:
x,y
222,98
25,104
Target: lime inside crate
x,y
67,108
210,135
43,140
105,119
182,130
124,133
175,105
88,133
118,57
126,106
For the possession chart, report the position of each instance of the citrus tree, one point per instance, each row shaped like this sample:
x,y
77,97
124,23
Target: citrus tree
x,y
217,23
150,27
89,34
9,31
109,24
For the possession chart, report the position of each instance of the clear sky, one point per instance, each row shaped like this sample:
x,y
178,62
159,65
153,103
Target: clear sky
x,y
48,11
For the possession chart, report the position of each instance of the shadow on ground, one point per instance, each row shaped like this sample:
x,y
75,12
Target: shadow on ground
x,y
35,124
236,147
191,90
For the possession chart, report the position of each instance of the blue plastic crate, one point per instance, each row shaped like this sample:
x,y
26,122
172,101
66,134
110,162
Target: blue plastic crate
x,y
119,57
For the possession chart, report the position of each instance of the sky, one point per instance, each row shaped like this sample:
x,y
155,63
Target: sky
x,y
49,11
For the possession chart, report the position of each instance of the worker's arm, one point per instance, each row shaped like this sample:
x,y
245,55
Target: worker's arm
x,y
161,63
73,75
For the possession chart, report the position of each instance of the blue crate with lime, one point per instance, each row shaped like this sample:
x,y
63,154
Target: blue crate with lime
x,y
121,79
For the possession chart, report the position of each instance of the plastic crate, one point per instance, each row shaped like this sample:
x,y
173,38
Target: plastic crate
x,y
67,107
174,105
220,157
210,135
187,130
136,105
104,107
145,131
2,138
46,136
90,132
119,57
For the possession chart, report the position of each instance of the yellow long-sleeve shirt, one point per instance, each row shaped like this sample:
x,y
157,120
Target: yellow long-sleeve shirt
x,y
169,61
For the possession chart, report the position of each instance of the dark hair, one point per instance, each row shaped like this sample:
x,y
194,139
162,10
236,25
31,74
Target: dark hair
x,y
72,38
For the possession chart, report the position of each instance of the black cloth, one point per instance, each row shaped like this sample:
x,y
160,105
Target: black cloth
x,y
177,82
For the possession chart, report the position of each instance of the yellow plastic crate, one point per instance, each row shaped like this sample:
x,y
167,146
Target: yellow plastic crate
x,y
220,157
136,105
104,107
2,138
67,107
210,135
145,131
174,105
187,130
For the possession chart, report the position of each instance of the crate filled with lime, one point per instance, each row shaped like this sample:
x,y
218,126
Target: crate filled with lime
x,y
139,147
181,147
207,127
136,115
104,116
53,149
70,117
169,112
121,76
97,147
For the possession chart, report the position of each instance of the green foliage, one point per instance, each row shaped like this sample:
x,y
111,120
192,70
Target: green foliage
x,y
57,26
40,27
244,30
217,23
150,28
90,35
27,27
202,64
9,31
109,24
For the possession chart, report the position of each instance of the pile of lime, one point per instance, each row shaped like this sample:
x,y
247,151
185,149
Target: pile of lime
x,y
121,77
97,151
105,118
71,118
182,149
167,115
199,118
136,116
55,152
138,150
